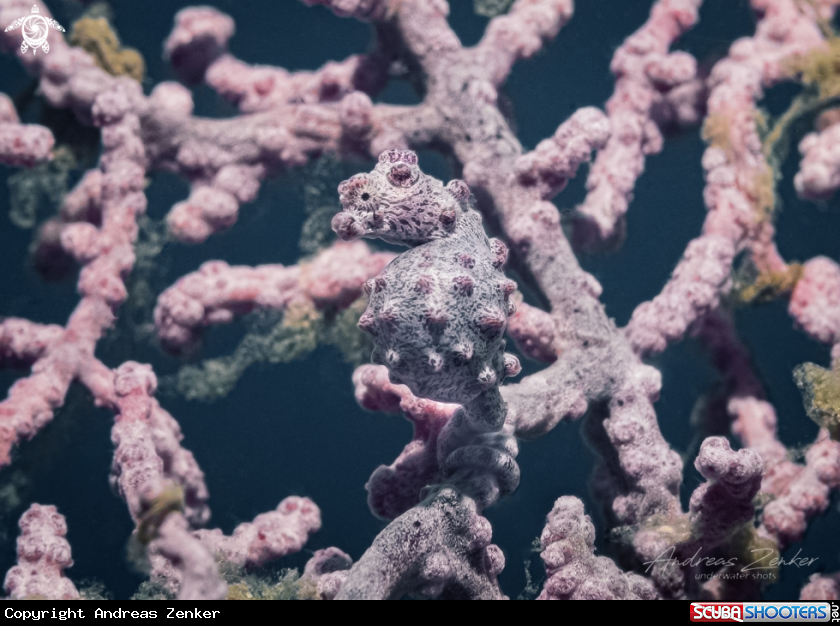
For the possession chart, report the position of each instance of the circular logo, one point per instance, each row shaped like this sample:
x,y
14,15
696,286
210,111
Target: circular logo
x,y
35,29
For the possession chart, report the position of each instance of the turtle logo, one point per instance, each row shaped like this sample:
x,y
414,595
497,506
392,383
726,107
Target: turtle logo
x,y
35,29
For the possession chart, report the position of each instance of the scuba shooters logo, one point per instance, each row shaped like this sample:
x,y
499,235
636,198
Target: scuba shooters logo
x,y
795,612
35,27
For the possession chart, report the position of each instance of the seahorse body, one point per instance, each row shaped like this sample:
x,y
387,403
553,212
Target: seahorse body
x,y
438,312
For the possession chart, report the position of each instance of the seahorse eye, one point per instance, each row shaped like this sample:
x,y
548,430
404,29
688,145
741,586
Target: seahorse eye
x,y
365,197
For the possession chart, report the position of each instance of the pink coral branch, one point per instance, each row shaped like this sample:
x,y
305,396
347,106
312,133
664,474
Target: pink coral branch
x,y
184,560
533,330
43,555
717,508
148,457
695,288
198,39
193,566
819,172
106,254
650,84
736,178
393,489
22,144
197,49
99,230
23,342
573,570
225,160
753,419
815,301
310,112
521,33
724,501
806,495
147,438
218,292
821,587
263,88
799,491
148,454
270,536
554,161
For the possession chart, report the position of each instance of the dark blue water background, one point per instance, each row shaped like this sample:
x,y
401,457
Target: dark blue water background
x,y
295,428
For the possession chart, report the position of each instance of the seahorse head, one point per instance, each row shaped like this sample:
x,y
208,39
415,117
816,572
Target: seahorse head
x,y
398,203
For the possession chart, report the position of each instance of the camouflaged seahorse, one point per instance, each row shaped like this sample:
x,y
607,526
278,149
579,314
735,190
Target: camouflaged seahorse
x,y
438,312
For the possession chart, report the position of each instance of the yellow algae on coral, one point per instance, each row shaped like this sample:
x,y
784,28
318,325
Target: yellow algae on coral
x,y
284,585
769,286
819,68
96,37
821,393
239,591
755,553
298,333
169,500
716,132
762,193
